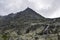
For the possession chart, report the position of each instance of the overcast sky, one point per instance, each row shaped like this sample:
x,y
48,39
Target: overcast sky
x,y
46,8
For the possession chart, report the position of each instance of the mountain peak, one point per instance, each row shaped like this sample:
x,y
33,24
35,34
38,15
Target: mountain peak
x,y
28,9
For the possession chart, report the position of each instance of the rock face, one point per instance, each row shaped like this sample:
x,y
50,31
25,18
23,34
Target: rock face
x,y
28,25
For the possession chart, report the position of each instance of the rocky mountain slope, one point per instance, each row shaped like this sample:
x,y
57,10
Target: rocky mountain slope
x,y
28,25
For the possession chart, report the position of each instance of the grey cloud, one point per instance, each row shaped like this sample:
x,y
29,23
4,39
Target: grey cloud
x,y
9,6
54,6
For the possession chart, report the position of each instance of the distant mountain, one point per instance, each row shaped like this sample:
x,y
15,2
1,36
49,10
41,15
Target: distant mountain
x,y
27,21
27,16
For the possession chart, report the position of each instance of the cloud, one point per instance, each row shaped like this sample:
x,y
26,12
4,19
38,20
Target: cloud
x,y
39,4
55,14
12,6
